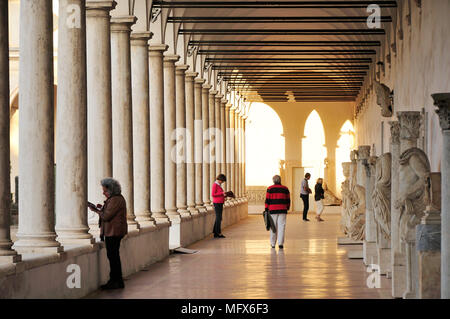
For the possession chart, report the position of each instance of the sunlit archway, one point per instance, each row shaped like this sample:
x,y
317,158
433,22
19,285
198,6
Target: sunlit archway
x,y
264,145
345,144
314,151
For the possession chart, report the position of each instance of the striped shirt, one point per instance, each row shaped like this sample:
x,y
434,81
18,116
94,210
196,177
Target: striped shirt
x,y
278,199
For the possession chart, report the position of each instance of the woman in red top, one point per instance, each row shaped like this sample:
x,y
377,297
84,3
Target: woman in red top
x,y
218,196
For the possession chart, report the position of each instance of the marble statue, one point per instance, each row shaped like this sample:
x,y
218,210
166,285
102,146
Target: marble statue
x,y
381,195
413,175
384,99
347,200
356,230
330,198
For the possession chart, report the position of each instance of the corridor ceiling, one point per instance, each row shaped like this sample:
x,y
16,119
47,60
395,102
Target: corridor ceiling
x,y
285,50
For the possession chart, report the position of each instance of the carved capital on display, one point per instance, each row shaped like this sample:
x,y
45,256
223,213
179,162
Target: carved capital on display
x,y
409,125
442,102
384,99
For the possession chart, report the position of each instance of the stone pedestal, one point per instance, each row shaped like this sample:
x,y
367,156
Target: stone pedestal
x,y
122,116
36,231
156,77
442,101
6,253
141,127
99,118
71,135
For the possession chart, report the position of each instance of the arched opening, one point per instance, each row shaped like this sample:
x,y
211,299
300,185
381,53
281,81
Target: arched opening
x,y
314,151
345,144
264,149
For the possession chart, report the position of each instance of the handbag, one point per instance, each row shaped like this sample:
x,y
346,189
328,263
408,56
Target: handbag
x,y
268,221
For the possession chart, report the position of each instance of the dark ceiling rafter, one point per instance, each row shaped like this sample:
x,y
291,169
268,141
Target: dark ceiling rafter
x,y
289,60
322,19
287,52
208,43
272,4
238,32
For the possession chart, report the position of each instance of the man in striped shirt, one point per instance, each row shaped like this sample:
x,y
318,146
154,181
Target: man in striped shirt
x,y
277,203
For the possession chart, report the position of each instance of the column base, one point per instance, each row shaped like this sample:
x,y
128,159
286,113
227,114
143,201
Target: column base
x,y
384,260
39,250
201,209
76,241
146,223
370,256
12,259
398,275
133,226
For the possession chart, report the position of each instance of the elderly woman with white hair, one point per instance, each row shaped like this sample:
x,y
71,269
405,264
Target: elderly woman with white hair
x,y
278,202
113,227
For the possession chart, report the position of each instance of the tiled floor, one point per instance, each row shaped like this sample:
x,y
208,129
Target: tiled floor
x,y
243,265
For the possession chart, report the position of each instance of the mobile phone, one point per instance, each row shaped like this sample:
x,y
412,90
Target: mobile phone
x,y
91,205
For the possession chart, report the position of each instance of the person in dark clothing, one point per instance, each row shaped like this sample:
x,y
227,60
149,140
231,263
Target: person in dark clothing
x,y
277,203
304,194
113,227
319,195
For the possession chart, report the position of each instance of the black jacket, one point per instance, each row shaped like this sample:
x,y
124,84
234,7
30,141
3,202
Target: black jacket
x,y
319,192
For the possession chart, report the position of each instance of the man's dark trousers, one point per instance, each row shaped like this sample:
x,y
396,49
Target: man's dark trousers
x,y
218,207
112,251
305,199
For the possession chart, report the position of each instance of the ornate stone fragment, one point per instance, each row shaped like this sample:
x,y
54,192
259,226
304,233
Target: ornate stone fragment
x,y
384,99
381,196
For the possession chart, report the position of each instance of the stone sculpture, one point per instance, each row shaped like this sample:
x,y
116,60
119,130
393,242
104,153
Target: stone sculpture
x,y
381,196
384,99
346,198
330,198
356,230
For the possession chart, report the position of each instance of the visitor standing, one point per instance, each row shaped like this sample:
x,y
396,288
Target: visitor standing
x,y
319,195
304,194
218,196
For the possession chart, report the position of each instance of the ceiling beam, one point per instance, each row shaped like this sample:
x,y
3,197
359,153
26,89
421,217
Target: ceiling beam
x,y
292,67
238,32
318,19
287,52
272,4
289,60
208,43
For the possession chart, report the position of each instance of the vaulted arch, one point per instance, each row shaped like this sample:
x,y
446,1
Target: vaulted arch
x,y
314,151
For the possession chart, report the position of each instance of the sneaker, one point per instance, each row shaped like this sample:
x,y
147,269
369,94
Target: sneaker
x,y
306,220
113,285
280,246
272,246
221,236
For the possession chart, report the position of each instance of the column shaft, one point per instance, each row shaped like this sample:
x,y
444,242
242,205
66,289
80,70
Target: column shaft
x,y
71,136
218,135
141,127
229,183
223,163
190,143
169,136
156,79
181,144
122,116
206,146
212,140
98,60
237,177
6,253
232,161
36,130
198,137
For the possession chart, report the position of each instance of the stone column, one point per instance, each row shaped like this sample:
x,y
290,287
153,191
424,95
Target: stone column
x,y
169,141
36,130
244,180
156,79
206,147
238,155
99,119
190,143
71,135
218,135
6,253
122,116
228,171
241,164
232,152
397,257
198,137
181,141
223,162
212,140
442,101
141,127
409,134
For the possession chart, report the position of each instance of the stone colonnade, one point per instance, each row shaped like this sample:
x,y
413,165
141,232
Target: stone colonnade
x,y
108,126
406,225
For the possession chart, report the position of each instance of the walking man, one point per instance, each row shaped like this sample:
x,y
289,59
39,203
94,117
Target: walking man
x,y
277,203
304,194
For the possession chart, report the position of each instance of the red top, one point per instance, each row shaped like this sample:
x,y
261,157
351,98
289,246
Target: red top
x,y
218,194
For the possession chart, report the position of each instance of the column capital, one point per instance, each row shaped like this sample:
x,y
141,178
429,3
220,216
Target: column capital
x,y
224,101
157,48
140,37
171,58
228,107
219,96
206,86
395,132
442,102
213,92
190,74
409,125
181,69
199,81
122,23
106,5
